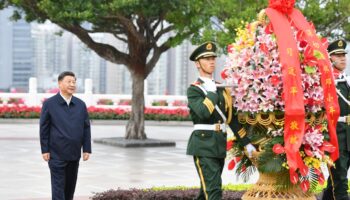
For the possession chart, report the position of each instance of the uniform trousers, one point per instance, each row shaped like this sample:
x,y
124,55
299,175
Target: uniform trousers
x,y
337,183
209,170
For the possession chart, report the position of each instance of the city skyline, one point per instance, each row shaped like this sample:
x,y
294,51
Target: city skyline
x,y
53,51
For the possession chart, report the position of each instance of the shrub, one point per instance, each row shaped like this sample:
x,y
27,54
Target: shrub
x,y
124,102
149,194
15,101
179,103
104,102
160,103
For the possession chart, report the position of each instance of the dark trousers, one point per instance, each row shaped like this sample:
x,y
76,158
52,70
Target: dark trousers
x,y
209,171
337,184
63,178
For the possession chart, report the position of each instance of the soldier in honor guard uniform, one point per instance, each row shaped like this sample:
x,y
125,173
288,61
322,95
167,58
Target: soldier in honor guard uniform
x,y
337,184
211,113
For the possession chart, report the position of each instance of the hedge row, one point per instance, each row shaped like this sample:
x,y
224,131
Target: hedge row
x,y
137,194
149,194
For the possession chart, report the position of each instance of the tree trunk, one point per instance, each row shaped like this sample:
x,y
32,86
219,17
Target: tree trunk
x,y
135,129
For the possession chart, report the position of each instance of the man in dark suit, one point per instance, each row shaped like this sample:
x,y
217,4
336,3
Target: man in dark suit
x,y
337,184
64,131
212,114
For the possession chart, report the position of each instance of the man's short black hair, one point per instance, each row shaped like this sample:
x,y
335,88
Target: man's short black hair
x,y
64,74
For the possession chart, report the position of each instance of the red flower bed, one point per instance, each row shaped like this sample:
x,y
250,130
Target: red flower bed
x,y
19,112
161,114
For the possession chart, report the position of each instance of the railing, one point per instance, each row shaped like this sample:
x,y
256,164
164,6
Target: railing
x,y
32,98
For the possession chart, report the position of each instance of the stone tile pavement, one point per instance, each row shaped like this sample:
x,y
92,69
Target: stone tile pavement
x,y
24,175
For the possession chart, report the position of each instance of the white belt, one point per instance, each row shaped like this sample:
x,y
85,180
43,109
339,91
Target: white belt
x,y
210,127
344,119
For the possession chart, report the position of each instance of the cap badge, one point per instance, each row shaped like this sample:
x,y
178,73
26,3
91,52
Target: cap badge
x,y
209,46
340,43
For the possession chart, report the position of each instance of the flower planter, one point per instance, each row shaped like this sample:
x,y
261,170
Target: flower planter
x,y
266,189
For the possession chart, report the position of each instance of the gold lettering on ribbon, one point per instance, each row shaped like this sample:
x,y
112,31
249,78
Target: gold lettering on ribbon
x,y
293,90
291,71
293,139
325,69
328,81
290,52
329,98
294,126
308,32
331,110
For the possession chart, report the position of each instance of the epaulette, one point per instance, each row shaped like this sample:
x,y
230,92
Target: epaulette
x,y
196,83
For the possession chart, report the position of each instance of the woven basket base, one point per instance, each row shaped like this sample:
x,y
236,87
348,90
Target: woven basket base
x,y
265,189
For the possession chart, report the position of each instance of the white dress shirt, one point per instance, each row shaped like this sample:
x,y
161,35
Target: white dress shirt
x,y
67,100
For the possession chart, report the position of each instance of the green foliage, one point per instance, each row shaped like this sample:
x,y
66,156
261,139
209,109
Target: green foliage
x,y
331,18
245,169
313,178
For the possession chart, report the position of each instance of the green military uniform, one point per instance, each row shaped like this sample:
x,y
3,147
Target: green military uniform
x,y
337,184
208,146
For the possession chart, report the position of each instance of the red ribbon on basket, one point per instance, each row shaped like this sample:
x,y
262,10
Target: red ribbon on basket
x,y
294,127
327,78
281,14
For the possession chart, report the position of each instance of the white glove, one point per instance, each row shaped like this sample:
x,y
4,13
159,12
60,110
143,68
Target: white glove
x,y
250,149
209,86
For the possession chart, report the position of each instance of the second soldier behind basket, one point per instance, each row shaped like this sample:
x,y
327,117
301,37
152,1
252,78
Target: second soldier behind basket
x,y
337,184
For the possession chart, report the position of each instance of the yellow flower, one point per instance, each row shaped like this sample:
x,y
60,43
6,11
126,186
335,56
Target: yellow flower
x,y
285,165
312,162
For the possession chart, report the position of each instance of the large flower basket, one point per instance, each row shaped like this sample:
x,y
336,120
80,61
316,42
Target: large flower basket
x,y
284,93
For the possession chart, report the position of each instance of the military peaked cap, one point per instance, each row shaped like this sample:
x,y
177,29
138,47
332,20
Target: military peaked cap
x,y
207,49
337,47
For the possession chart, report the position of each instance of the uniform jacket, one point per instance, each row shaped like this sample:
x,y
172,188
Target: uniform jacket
x,y
343,130
210,143
64,130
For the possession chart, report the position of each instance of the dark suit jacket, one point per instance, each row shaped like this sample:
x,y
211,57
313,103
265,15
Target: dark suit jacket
x,y
64,129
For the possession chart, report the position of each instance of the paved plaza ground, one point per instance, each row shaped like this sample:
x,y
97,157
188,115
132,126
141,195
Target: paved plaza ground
x,y
24,175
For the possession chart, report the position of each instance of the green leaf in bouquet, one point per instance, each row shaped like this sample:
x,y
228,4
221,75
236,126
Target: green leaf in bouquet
x,y
245,169
310,70
318,55
313,179
301,57
269,162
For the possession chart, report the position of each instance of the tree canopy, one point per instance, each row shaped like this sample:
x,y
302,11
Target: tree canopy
x,y
151,27
331,18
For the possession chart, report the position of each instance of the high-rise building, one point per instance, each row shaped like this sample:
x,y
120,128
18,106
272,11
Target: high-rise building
x,y
181,71
57,51
16,53
50,57
117,76
157,79
6,34
87,64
